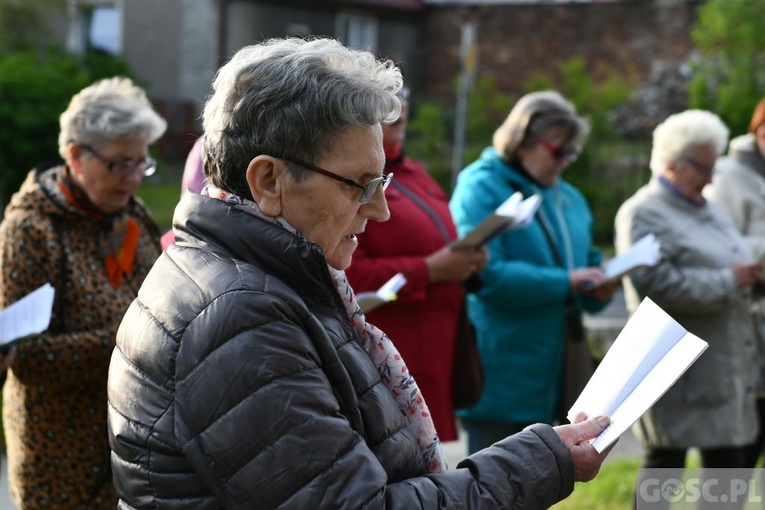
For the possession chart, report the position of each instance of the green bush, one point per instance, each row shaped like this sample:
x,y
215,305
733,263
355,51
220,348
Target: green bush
x,y
728,78
161,199
35,87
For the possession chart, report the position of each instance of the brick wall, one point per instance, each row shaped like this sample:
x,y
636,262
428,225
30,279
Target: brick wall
x,y
518,41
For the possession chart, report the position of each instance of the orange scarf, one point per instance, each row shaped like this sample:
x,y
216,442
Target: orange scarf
x,y
124,234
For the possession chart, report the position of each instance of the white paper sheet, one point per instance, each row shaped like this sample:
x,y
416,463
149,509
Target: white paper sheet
x,y
27,316
515,212
649,355
370,300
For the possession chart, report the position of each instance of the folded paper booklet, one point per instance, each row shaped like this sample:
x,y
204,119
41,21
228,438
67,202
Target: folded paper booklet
x,y
27,316
370,300
646,359
515,212
644,253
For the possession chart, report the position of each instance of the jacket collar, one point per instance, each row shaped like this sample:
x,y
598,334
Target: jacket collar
x,y
744,149
226,231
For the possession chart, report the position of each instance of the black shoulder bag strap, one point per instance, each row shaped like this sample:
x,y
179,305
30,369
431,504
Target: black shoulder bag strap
x,y
573,316
472,284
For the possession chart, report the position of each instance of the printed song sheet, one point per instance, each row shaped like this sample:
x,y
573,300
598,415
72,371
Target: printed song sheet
x,y
515,212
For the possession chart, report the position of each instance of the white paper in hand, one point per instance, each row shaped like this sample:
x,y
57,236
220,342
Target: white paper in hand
x,y
644,253
646,359
27,316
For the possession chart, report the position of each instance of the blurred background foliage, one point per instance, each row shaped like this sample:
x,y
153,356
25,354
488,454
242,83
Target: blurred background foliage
x,y
725,75
602,158
729,73
35,88
36,83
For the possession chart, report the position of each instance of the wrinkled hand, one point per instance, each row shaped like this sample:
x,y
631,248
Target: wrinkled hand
x,y
6,358
450,265
584,278
746,273
587,460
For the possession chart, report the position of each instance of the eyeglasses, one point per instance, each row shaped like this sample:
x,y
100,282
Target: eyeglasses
x,y
559,153
367,190
705,170
147,166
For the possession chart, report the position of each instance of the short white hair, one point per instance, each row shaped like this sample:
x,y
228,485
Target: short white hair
x,y
109,109
292,97
679,133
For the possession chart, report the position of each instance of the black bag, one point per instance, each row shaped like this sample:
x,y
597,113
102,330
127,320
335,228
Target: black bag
x,y
578,364
574,323
468,377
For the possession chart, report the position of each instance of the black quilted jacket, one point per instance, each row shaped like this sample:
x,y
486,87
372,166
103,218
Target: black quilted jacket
x,y
237,382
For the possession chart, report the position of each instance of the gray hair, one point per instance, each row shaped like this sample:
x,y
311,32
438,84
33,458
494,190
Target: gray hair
x,y
109,109
535,115
292,98
682,132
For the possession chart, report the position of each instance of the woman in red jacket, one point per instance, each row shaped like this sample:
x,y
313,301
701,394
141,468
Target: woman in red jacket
x,y
414,242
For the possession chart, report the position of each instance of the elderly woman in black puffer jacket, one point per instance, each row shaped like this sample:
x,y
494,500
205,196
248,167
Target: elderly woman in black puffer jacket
x,y
245,375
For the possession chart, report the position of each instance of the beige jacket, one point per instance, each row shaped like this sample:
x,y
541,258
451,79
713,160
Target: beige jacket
x,y
738,187
713,404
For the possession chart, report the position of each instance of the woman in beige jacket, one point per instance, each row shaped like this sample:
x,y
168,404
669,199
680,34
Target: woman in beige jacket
x,y
703,280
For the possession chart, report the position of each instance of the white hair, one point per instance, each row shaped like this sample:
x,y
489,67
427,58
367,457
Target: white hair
x,y
674,138
109,109
292,97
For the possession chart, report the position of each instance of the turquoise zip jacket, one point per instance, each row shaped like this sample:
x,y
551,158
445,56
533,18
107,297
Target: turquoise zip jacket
x,y
519,313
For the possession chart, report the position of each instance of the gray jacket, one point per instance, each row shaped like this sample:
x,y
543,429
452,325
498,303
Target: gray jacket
x,y
713,404
238,382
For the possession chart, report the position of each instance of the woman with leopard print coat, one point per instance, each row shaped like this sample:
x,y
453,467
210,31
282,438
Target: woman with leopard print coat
x,y
77,226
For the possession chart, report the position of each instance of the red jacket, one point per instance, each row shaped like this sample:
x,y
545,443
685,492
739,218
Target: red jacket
x,y
422,322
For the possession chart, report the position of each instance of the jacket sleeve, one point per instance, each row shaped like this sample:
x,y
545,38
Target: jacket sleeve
x,y
528,470
258,419
27,262
674,287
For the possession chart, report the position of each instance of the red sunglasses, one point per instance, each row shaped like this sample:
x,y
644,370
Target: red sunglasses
x,y
559,153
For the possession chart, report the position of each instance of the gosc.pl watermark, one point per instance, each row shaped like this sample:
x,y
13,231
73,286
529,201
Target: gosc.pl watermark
x,y
699,488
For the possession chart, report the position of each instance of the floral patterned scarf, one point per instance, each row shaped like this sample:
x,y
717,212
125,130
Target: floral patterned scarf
x,y
378,346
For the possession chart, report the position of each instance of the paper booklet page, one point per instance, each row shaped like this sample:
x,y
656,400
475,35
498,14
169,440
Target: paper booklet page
x,y
388,292
515,212
27,316
644,253
645,360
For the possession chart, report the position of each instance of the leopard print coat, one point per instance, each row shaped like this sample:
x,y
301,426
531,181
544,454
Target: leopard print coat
x,y
54,400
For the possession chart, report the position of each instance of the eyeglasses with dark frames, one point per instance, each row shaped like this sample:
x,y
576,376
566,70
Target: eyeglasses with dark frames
x,y
368,189
705,170
559,153
147,166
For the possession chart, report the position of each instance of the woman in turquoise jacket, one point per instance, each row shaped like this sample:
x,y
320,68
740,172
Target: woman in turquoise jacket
x,y
535,274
